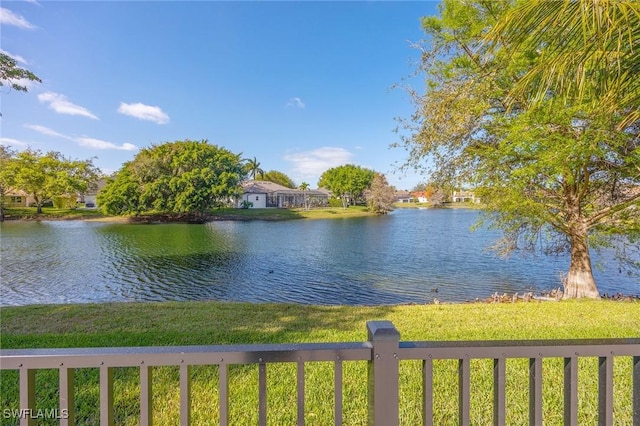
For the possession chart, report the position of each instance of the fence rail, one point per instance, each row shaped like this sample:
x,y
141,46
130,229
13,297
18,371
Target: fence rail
x,y
383,352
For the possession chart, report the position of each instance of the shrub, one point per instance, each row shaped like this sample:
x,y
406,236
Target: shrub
x,y
335,202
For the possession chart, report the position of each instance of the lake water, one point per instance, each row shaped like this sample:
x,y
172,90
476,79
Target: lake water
x,y
403,257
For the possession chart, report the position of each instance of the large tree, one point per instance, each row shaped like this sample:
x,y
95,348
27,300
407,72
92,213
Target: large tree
x,y
347,182
44,176
182,177
6,176
381,195
252,167
304,186
559,173
279,178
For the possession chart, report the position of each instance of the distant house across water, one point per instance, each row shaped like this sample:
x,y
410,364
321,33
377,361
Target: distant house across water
x,y
90,198
403,196
17,198
260,194
464,197
420,196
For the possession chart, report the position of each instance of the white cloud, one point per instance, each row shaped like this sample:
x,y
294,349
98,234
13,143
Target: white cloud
x,y
100,144
7,17
11,142
144,112
83,140
61,105
46,131
17,58
295,103
309,165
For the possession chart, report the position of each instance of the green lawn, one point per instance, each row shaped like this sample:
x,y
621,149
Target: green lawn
x,y
50,213
201,323
284,214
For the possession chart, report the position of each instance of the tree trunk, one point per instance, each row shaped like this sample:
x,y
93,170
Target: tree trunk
x,y
580,282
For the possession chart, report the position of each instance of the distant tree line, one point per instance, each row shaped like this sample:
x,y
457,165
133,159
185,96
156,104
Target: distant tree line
x,y
45,176
176,178
184,177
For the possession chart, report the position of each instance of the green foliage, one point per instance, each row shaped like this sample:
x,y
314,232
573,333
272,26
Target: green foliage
x,y
121,194
278,177
45,176
554,173
6,174
176,177
587,51
65,202
11,74
252,168
335,202
347,182
304,186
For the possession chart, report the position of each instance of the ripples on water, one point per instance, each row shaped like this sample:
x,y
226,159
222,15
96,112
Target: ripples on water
x,y
410,256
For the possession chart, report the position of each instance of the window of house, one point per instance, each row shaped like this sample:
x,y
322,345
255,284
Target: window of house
x,y
257,198
16,200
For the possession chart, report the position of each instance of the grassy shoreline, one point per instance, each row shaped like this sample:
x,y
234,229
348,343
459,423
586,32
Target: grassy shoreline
x,y
29,214
170,323
49,213
203,323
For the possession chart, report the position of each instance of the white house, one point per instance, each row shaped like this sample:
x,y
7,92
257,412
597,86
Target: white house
x,y
260,194
464,197
90,198
403,196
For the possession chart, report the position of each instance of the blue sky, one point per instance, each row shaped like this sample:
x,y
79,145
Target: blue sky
x,y
301,86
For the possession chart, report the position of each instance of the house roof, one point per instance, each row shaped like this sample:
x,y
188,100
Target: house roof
x,y
262,187
267,187
418,194
463,193
10,192
97,187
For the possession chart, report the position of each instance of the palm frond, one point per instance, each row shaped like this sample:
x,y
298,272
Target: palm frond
x,y
588,51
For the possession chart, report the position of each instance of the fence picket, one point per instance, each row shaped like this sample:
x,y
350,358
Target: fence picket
x,y
337,390
499,399
146,396
67,405
106,396
27,395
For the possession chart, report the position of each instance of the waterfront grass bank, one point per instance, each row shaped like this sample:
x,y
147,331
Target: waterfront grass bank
x,y
202,323
29,213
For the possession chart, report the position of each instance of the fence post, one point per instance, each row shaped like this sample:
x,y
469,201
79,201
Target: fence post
x,y
383,383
